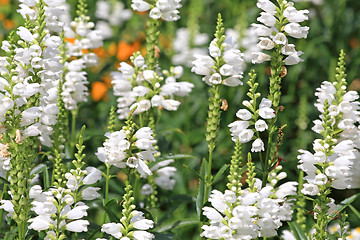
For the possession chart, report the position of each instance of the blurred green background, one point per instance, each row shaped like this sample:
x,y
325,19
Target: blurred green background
x,y
334,25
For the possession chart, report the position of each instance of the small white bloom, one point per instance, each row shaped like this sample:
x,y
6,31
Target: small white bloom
x,y
257,146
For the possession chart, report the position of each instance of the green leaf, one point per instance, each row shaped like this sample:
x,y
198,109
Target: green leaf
x,y
110,214
177,156
200,197
167,236
37,169
179,200
220,172
176,224
46,177
93,235
341,206
201,178
297,231
354,210
4,180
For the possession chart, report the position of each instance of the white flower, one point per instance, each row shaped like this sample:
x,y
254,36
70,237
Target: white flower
x,y
280,39
310,189
246,135
77,212
114,229
244,114
40,223
265,110
267,19
266,43
260,125
92,176
294,15
140,5
258,146
267,6
296,31
293,58
77,226
90,193
259,57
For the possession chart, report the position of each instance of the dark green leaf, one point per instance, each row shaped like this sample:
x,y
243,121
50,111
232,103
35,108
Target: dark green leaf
x,y
37,169
110,214
177,224
297,231
4,180
200,197
220,172
47,182
341,206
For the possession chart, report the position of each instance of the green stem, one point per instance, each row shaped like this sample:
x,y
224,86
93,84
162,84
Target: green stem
x,y
208,178
107,179
74,114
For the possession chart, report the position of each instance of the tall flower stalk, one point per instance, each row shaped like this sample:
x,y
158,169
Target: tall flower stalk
x,y
278,23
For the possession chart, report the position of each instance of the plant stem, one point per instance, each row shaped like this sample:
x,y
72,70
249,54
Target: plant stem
x,y
74,114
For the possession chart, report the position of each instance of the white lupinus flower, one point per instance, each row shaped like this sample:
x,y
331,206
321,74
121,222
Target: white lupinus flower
x,y
184,50
273,34
115,150
137,86
250,215
164,9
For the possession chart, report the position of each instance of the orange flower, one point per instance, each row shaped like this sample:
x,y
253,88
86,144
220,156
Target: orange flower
x,y
2,16
8,24
98,91
107,80
70,40
112,49
125,50
4,2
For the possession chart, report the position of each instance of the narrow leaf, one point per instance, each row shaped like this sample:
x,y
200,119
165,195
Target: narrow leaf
x,y
200,197
297,231
46,177
37,169
220,172
4,180
341,206
177,224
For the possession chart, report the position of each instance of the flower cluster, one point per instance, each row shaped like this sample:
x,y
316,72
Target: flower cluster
x,y
224,65
251,215
163,174
81,39
340,154
277,24
54,209
140,87
110,14
184,50
164,9
139,225
123,149
240,130
247,41
79,178
34,70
